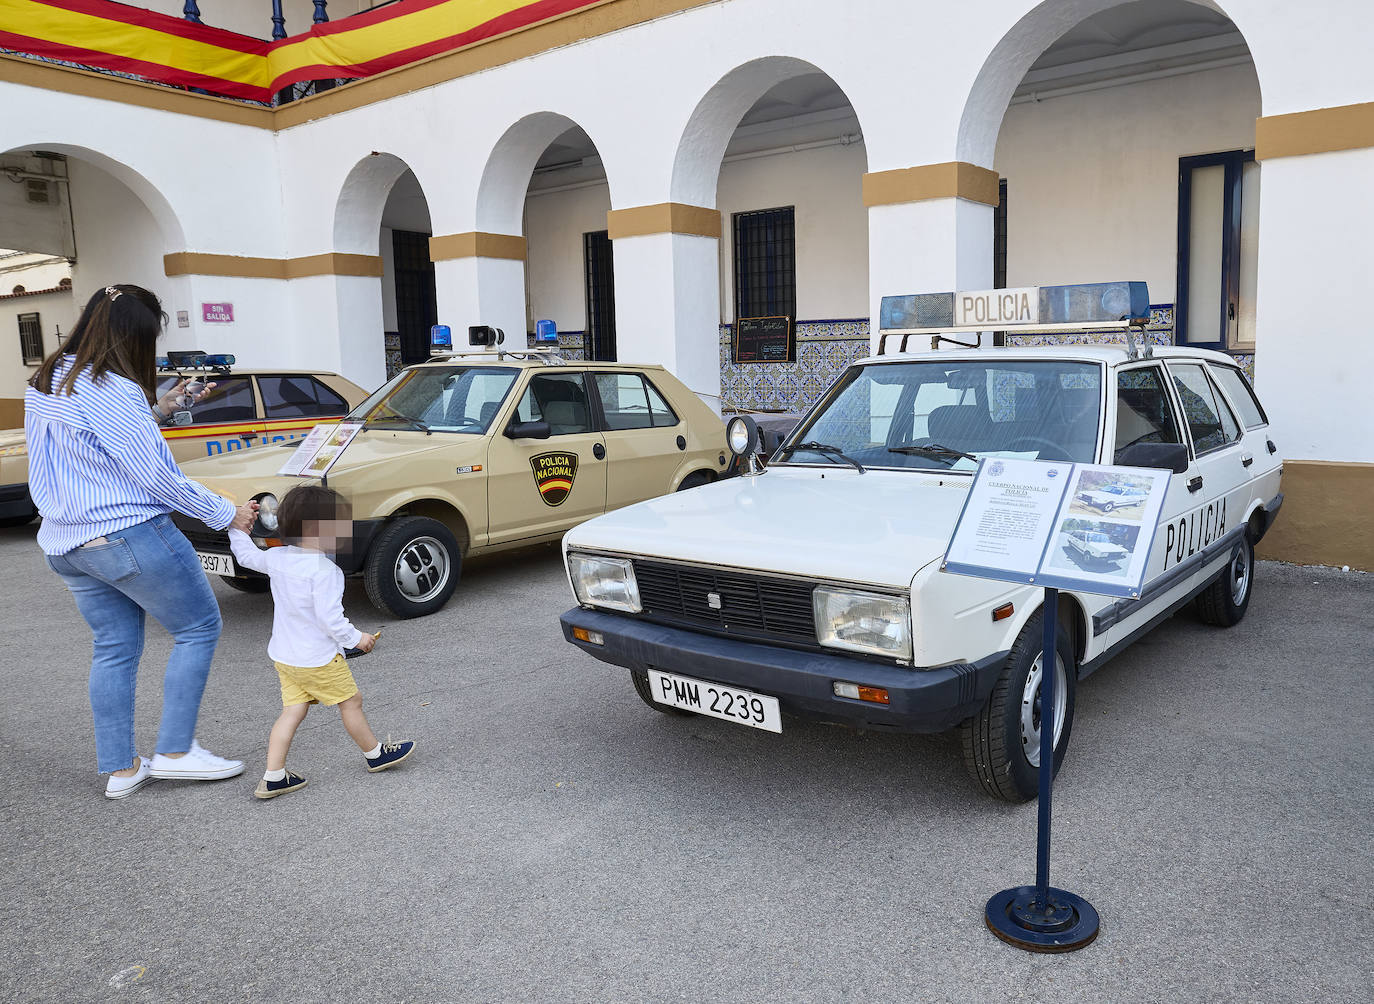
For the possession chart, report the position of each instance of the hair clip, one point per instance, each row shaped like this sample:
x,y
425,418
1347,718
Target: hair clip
x,y
113,293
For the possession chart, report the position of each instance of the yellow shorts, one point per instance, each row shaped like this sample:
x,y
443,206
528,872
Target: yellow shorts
x,y
329,684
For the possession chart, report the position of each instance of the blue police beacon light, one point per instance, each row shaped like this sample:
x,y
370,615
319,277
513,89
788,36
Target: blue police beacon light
x,y
545,333
440,338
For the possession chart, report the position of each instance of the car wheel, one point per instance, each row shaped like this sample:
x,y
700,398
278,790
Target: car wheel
x,y
695,480
257,585
1108,506
1225,601
1002,741
413,567
641,682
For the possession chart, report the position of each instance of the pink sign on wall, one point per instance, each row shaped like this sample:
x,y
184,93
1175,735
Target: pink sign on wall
x,y
218,312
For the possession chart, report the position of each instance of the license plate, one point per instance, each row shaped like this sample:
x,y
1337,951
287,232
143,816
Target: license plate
x,y
743,707
216,564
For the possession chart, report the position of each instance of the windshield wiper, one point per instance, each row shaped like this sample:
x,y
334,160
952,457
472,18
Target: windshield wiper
x,y
414,423
934,450
826,450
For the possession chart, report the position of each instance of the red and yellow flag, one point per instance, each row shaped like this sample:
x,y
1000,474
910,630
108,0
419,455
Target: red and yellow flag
x,y
165,49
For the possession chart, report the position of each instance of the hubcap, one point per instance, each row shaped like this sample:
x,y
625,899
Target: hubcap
x,y
421,569
1031,711
1240,576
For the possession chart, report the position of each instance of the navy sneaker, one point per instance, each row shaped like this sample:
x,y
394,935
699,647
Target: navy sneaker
x,y
271,789
390,756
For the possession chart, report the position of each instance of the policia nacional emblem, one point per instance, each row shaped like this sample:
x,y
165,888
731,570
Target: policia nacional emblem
x,y
553,475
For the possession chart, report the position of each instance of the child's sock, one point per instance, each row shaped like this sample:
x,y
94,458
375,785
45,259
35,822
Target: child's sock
x,y
274,775
374,752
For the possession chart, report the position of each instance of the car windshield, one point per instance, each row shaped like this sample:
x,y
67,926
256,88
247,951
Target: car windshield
x,y
1098,538
946,413
462,399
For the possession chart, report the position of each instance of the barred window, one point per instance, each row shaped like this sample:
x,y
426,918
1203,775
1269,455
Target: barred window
x,y
766,263
31,338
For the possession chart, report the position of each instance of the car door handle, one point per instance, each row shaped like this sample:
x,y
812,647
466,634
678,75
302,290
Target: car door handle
x,y
599,452
1246,460
1272,447
1195,485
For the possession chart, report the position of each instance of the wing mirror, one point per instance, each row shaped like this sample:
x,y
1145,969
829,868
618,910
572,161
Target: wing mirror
x,y
1165,456
527,430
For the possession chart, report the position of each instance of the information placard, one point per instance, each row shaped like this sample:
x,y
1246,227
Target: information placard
x,y
319,450
1084,527
764,340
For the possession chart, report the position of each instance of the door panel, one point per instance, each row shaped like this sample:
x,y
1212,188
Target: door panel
x,y
641,433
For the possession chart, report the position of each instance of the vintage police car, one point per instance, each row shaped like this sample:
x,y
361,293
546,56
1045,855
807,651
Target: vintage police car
x,y
1110,497
245,408
815,587
1095,546
472,453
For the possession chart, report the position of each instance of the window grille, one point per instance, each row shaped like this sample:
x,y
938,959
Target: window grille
x,y
999,238
766,263
31,338
417,308
599,258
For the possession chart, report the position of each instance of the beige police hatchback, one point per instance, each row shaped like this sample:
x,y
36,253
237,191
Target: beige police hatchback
x,y
469,454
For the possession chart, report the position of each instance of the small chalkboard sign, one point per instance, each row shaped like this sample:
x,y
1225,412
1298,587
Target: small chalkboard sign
x,y
764,340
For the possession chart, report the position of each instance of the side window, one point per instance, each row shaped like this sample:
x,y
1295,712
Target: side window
x,y
1143,414
298,396
1237,388
629,401
559,399
231,400
1209,419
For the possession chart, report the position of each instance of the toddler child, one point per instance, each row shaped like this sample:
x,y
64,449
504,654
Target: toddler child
x,y
309,629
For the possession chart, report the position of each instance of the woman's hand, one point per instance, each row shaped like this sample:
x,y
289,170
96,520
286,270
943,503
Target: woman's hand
x,y
244,517
171,402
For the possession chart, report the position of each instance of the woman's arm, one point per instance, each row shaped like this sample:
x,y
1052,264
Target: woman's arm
x,y
119,417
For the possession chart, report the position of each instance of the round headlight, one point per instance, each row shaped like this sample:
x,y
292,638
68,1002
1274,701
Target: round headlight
x,y
267,512
742,435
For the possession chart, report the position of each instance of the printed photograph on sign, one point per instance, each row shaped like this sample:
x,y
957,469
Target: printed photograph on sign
x,y
1099,492
1086,545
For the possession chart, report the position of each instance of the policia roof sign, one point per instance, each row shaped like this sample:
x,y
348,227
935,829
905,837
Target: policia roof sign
x,y
1042,524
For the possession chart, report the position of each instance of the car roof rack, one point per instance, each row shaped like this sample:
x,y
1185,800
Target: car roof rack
x,y
195,359
530,355
1099,306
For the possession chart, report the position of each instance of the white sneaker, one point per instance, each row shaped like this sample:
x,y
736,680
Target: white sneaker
x,y
118,787
197,765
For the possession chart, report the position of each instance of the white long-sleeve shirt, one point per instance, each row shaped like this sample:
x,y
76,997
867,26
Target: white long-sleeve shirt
x,y
308,623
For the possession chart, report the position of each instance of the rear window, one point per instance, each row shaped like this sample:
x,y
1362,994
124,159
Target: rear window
x,y
298,396
1237,388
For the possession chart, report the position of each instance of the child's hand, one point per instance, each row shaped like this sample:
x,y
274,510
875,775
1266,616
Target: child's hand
x,y
366,642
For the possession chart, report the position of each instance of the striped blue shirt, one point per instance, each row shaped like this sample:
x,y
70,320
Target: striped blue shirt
x,y
98,464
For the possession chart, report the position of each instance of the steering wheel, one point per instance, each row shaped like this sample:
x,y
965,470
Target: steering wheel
x,y
1041,445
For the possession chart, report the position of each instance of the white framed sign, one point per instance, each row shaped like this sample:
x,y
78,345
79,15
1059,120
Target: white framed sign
x,y
1085,527
319,450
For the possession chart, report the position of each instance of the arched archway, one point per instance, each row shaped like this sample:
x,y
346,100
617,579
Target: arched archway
x,y
776,148
382,211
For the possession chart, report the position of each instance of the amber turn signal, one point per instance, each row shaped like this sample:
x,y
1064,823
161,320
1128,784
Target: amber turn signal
x,y
590,637
1003,612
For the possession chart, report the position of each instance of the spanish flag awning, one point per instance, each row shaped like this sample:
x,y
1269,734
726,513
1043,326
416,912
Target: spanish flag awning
x,y
157,47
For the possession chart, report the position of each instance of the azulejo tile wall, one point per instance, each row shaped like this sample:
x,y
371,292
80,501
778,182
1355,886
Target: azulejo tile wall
x,y
570,345
824,349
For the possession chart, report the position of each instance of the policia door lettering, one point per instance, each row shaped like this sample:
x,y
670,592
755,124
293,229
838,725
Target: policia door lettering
x,y
554,474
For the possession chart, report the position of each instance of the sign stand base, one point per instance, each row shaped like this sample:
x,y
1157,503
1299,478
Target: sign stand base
x,y
1064,923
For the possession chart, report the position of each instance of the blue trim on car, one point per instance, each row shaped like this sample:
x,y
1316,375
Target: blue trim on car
x,y
921,700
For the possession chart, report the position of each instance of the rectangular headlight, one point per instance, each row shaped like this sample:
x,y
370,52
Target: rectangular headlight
x,y
604,582
871,623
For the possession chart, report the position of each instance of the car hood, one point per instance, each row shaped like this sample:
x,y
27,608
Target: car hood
x,y
879,528
244,473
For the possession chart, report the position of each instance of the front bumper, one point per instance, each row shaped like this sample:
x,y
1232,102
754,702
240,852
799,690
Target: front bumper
x,y
922,700
15,502
203,538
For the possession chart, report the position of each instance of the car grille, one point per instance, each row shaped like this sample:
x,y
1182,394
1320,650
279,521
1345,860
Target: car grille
x,y
753,607
202,538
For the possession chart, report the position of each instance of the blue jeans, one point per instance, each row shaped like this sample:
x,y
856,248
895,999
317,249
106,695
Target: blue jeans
x,y
148,568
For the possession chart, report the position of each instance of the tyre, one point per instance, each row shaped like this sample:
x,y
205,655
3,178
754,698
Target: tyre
x,y
1002,741
695,480
262,585
641,682
1108,506
413,567
1225,601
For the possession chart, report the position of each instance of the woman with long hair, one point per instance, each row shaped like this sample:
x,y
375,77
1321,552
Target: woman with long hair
x,y
104,482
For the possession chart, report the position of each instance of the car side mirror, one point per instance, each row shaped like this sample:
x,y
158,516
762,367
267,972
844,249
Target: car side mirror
x,y
1165,456
527,430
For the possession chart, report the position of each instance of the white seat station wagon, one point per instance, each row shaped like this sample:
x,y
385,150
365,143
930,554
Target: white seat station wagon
x,y
814,587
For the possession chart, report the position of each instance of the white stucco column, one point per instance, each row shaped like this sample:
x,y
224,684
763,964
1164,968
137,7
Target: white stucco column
x,y
480,279
667,292
337,327
929,231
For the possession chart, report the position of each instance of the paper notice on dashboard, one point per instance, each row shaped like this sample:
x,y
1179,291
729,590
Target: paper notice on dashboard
x,y
1008,517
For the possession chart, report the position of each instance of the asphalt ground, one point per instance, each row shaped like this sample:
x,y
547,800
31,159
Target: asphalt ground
x,y
555,840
